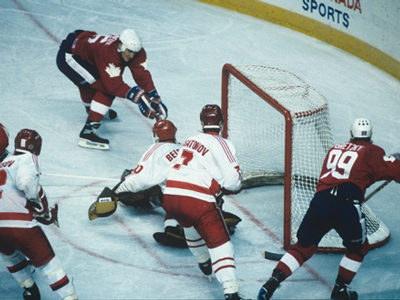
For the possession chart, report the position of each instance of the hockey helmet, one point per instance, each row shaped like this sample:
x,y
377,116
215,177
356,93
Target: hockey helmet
x,y
211,117
28,140
4,136
130,40
164,130
361,129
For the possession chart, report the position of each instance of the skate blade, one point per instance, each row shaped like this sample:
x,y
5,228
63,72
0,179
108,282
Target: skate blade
x,y
93,145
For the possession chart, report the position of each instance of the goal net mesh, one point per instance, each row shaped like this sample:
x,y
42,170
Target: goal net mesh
x,y
280,126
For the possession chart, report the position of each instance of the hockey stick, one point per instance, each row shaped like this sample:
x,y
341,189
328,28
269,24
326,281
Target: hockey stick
x,y
376,190
80,177
271,255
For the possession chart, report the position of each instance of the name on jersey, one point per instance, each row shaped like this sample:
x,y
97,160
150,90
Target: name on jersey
x,y
197,146
349,147
7,164
172,155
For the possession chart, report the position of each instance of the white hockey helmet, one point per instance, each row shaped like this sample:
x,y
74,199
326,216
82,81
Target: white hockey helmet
x,y
130,40
361,128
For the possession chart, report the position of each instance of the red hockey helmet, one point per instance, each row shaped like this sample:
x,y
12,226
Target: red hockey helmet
x,y
3,138
164,130
211,117
28,140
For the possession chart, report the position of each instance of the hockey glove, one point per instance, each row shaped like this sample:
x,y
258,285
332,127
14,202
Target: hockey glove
x,y
135,94
145,107
49,217
124,174
38,205
161,112
159,107
104,206
396,155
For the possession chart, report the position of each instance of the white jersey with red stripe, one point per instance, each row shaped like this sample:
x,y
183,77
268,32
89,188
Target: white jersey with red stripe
x,y
19,179
205,165
152,168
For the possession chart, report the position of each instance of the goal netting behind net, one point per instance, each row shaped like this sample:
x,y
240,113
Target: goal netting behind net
x,y
280,126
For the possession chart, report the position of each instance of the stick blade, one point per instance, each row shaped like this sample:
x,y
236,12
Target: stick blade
x,y
271,255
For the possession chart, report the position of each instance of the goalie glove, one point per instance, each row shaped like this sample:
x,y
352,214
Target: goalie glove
x,y
104,206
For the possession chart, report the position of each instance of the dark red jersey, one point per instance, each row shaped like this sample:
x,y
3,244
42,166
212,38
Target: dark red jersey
x,y
101,51
361,163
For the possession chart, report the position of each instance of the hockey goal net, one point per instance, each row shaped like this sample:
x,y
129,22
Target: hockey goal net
x,y
280,126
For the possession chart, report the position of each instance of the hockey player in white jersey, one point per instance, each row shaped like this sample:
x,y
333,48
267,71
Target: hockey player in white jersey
x,y
205,168
23,204
141,187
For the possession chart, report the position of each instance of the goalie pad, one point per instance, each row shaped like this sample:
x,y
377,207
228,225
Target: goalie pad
x,y
175,237
146,199
231,221
104,206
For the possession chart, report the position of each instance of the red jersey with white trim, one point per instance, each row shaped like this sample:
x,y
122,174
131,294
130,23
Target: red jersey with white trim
x,y
101,51
19,176
152,168
361,163
205,165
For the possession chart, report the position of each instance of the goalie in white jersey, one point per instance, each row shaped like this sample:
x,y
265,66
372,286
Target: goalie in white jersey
x,y
23,204
141,187
206,167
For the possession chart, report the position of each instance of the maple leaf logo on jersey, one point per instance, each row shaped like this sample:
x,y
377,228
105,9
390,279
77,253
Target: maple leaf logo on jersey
x,y
113,70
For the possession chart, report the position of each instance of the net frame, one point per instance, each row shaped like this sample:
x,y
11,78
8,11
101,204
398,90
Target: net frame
x,y
290,178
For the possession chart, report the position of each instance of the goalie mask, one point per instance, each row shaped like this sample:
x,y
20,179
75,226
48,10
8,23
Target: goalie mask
x,y
164,130
361,129
211,117
28,140
130,40
3,139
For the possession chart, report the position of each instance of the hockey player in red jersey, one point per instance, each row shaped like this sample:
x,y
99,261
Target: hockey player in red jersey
x,y
95,64
23,204
348,169
205,168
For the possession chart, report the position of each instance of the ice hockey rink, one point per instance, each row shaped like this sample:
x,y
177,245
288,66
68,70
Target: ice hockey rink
x,y
187,43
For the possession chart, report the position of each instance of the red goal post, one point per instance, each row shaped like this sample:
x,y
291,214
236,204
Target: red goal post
x,y
280,126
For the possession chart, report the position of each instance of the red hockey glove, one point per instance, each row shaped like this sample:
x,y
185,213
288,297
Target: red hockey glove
x,y
145,107
159,107
49,217
38,205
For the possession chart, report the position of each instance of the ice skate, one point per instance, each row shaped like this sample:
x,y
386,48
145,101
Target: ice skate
x,y
31,293
90,138
342,291
271,285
